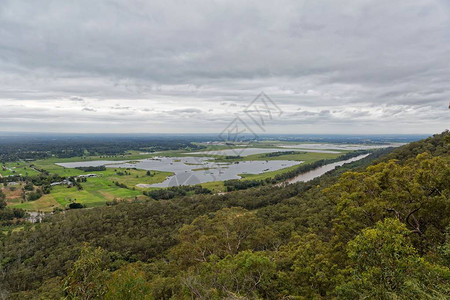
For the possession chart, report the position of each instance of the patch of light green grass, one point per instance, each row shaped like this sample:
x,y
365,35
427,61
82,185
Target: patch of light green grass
x,y
17,168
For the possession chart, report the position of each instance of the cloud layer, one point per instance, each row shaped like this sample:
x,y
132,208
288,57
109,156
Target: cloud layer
x,y
191,66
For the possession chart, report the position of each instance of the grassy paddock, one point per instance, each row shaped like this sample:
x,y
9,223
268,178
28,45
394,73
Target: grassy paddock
x,y
96,191
17,168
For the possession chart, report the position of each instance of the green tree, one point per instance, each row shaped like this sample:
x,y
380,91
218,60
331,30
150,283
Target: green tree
x,y
415,192
128,283
246,274
306,264
2,200
87,278
29,186
228,232
445,249
386,266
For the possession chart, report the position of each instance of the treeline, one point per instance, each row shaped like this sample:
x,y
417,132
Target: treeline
x,y
12,216
121,185
9,216
15,149
437,145
176,191
231,157
13,178
92,169
280,153
237,184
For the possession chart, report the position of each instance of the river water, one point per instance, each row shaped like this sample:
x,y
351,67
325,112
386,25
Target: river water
x,y
310,175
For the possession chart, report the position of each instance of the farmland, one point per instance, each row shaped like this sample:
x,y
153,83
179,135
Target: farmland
x,y
96,191
126,184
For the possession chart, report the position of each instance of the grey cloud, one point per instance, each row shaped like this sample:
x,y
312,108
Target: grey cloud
x,y
341,61
186,111
121,107
76,99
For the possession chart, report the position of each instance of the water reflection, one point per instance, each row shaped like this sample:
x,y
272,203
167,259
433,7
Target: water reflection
x,y
192,170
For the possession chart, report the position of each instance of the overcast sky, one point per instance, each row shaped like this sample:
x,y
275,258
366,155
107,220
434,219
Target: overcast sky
x,y
359,66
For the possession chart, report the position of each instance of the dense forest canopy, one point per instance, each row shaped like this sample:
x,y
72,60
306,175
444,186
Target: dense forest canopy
x,y
378,228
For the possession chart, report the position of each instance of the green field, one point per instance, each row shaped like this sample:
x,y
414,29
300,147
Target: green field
x,y
97,191
17,168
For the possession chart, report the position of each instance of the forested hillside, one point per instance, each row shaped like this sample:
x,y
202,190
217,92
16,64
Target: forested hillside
x,y
375,229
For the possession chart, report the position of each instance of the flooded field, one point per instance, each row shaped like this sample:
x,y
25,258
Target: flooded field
x,y
192,170
94,163
251,151
352,147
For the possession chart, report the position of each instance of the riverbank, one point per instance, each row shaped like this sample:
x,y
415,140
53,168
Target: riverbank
x,y
310,175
